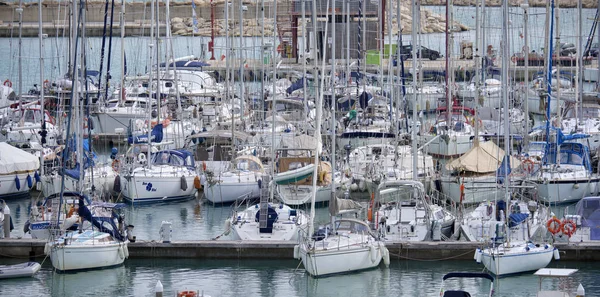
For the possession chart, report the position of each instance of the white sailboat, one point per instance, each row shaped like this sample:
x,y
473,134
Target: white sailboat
x,y
348,244
503,256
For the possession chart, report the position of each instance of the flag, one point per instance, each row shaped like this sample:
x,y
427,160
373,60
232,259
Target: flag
x,y
194,17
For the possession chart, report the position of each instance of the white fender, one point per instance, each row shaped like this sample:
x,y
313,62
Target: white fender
x,y
479,255
385,253
47,248
556,254
227,227
475,255
125,251
121,253
296,252
373,253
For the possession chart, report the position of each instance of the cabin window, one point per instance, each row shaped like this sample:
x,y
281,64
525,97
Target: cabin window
x,y
168,84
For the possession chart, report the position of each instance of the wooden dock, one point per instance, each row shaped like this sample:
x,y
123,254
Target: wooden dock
x,y
227,249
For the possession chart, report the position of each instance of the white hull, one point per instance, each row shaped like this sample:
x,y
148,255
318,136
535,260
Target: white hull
x,y
567,191
476,190
358,142
106,123
104,181
8,185
231,192
145,186
78,257
301,194
456,145
341,259
512,262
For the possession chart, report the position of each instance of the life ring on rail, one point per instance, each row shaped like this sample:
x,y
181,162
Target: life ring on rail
x,y
187,294
142,158
568,227
528,166
8,83
554,225
46,84
116,165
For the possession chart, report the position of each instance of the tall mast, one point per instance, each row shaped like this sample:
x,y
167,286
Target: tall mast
x,y
415,25
505,88
525,7
41,41
20,62
333,101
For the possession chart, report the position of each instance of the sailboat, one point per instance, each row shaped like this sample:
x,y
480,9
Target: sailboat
x,y
503,256
347,245
101,240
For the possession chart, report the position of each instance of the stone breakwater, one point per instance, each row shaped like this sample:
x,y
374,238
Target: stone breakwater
x,y
430,23
182,22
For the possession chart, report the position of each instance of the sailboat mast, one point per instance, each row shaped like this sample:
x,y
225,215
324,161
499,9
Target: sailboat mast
x,y
41,41
448,70
505,88
525,7
319,113
415,25
333,100
20,59
549,69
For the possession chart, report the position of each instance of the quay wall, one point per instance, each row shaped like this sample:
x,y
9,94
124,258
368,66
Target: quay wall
x,y
224,249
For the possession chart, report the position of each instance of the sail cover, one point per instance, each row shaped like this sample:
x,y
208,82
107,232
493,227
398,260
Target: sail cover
x,y
14,160
483,158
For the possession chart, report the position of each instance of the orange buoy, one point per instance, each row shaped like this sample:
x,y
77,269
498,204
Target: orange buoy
x,y
554,225
568,227
197,183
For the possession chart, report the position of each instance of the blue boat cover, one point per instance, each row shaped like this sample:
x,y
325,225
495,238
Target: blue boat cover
x,y
515,219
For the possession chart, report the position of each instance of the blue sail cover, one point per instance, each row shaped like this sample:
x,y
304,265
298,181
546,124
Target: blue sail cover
x,y
504,166
156,136
514,219
297,85
99,222
186,64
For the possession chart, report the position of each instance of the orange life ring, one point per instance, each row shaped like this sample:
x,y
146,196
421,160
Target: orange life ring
x,y
568,227
8,83
554,225
116,165
187,294
528,166
46,84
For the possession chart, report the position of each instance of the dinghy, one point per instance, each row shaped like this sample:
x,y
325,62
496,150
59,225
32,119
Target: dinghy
x,y
26,269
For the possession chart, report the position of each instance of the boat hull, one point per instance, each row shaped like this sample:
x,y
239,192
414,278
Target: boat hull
x,y
567,191
231,192
74,257
138,189
516,262
8,185
324,262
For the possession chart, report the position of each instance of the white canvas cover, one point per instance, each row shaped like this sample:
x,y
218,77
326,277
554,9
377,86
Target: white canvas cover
x,y
14,160
483,158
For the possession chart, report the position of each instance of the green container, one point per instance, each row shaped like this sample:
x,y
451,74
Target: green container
x,y
386,49
373,57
